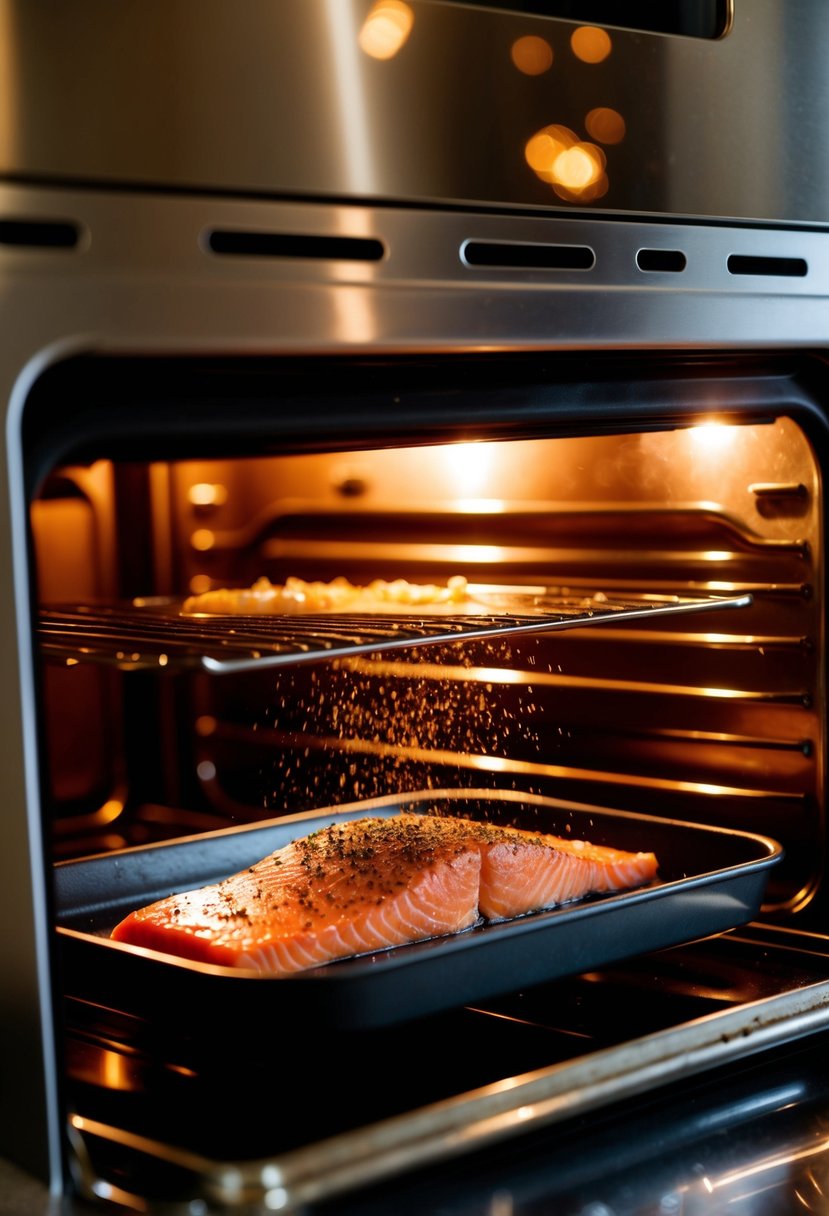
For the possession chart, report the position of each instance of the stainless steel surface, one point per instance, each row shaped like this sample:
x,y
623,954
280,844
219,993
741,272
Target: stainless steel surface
x,y
283,100
421,296
751,1136
473,1121
479,1119
152,637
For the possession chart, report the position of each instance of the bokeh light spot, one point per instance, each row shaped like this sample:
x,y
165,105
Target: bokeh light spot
x,y
590,44
605,125
532,55
574,168
386,28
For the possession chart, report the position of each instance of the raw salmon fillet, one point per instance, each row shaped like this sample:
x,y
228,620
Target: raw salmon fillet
x,y
373,883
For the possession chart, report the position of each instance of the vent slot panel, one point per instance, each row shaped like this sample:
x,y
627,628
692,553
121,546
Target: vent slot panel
x,y
794,268
249,244
669,261
518,256
39,234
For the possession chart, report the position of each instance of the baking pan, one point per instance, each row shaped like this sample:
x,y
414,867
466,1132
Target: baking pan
x,y
710,880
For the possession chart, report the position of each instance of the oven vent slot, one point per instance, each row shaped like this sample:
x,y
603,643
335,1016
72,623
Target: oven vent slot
x,y
518,255
153,634
40,234
665,260
794,268
248,244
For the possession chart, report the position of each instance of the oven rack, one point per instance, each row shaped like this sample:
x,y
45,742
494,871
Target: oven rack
x,y
154,633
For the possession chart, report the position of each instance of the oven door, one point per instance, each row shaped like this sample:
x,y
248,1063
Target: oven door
x,y
225,746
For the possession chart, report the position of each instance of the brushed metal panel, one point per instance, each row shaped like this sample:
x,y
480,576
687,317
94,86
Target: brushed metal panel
x,y
279,99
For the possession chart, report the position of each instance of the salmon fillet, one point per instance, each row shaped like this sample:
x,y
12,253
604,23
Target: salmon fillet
x,y
374,883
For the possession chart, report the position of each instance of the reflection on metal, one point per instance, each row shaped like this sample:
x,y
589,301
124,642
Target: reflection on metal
x,y
408,755
322,117
769,1173
591,44
606,125
532,55
472,1121
574,168
96,821
386,28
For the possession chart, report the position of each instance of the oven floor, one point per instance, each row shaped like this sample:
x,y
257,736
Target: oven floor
x,y
256,1096
751,1140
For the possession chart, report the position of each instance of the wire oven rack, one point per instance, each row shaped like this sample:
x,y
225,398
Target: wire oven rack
x,y
154,633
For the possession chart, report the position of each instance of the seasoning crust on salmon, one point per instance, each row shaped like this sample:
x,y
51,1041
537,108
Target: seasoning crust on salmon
x,y
374,883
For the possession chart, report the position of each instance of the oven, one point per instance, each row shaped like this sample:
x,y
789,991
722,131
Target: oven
x,y
336,289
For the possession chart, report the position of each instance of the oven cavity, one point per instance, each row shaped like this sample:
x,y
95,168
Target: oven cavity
x,y
655,603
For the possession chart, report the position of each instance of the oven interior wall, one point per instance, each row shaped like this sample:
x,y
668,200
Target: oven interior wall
x,y
715,717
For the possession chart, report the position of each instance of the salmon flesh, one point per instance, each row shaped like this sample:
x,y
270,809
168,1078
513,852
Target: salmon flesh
x,y
374,883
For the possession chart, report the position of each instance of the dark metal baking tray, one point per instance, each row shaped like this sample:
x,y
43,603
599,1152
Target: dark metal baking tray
x,y
154,633
710,880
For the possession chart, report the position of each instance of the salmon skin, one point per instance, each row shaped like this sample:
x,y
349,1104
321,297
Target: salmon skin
x,y
371,884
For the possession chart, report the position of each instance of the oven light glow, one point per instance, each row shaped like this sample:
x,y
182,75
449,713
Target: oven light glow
x,y
206,494
203,539
469,467
438,671
386,29
491,554
116,1072
110,811
713,437
479,506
